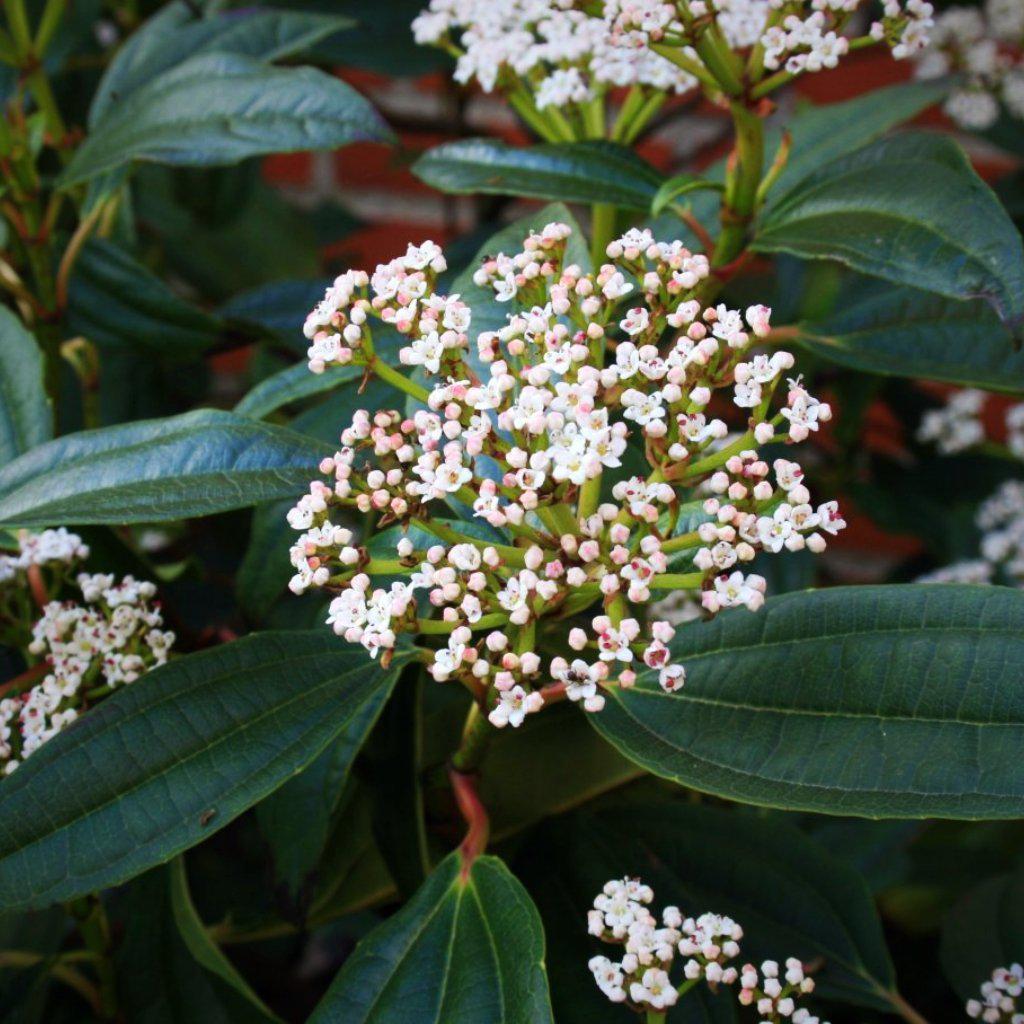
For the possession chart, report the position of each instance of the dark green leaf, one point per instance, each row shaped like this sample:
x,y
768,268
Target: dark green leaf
x,y
791,897
219,108
198,942
825,133
554,763
221,238
292,384
467,947
162,764
681,185
199,463
983,931
265,569
576,172
897,701
114,300
280,307
909,209
296,819
393,776
174,34
904,332
26,419
169,970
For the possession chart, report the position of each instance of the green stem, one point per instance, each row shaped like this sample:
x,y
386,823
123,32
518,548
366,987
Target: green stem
x,y
17,22
741,191
438,627
651,106
590,496
676,581
477,734
376,365
634,100
94,928
602,231
523,106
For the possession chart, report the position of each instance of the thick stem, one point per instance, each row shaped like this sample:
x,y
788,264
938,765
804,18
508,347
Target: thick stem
x,y
477,734
602,231
740,200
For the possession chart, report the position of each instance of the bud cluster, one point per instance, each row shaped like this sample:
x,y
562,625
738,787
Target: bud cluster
x,y
580,454
707,946
984,49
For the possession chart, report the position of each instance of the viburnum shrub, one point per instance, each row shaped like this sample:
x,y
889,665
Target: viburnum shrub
x,y
295,545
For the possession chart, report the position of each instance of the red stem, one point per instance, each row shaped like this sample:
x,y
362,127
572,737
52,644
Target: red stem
x,y
37,586
464,785
29,676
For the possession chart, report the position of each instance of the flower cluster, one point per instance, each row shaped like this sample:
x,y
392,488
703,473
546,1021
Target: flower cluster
x,y
955,427
998,1003
51,550
509,484
561,51
556,53
83,651
706,945
983,48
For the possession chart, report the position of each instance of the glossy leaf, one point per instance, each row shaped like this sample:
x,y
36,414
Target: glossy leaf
x,y
879,328
895,701
174,34
552,764
786,891
153,470
223,230
169,970
280,307
296,819
576,172
984,930
291,385
166,762
114,300
909,209
205,951
824,133
467,947
26,419
219,108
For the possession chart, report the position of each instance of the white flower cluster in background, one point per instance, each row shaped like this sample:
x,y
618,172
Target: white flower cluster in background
x,y
706,946
998,1002
530,429
561,51
84,651
50,549
955,427
984,48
